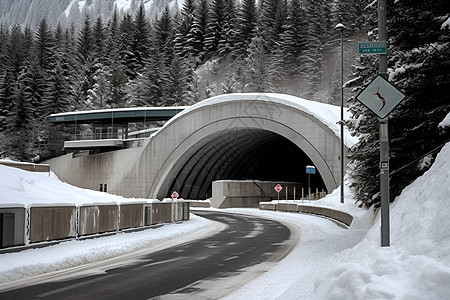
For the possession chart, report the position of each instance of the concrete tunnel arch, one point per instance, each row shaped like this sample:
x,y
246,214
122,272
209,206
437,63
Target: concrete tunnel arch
x,y
206,142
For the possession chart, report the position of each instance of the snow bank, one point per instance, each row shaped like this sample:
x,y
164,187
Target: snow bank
x,y
20,188
445,122
417,265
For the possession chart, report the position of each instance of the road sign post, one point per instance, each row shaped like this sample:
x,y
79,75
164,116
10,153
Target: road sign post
x,y
310,170
384,136
381,97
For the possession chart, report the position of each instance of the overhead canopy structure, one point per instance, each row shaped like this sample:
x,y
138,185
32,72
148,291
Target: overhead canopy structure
x,y
117,115
110,126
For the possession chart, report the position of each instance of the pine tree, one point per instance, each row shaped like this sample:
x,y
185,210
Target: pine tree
x,y
44,44
118,80
318,16
257,70
227,40
215,27
417,43
85,59
141,43
14,56
98,39
183,44
20,119
196,36
351,13
164,33
129,60
293,40
273,16
247,19
420,47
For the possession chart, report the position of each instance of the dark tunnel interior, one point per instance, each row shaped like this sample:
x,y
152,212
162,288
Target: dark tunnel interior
x,y
241,154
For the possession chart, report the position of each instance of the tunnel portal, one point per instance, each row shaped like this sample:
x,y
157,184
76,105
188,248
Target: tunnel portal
x,y
243,154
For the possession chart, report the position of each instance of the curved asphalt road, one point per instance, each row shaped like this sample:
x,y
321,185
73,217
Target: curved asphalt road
x,y
199,269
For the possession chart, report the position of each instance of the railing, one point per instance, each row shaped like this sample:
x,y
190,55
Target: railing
x,y
96,136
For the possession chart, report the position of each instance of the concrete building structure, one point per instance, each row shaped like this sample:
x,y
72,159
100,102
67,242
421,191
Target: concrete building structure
x,y
228,137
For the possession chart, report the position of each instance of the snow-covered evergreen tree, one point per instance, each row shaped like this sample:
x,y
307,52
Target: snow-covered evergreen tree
x,y
215,27
246,20
419,65
196,36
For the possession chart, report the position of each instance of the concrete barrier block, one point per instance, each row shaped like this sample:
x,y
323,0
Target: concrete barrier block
x,y
52,223
199,204
14,225
88,218
98,219
281,206
337,215
267,206
148,214
161,212
131,216
108,218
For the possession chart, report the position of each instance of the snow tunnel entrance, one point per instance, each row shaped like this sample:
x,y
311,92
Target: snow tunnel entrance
x,y
241,154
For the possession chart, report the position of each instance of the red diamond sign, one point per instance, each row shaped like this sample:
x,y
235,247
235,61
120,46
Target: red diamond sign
x,y
175,195
278,188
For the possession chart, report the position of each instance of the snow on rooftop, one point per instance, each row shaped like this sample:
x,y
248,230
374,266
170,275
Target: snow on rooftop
x,y
119,110
326,113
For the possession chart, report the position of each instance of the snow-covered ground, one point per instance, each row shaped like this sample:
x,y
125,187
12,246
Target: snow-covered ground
x,y
329,262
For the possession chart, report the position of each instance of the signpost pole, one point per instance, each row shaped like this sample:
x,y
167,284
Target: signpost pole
x,y
384,136
309,189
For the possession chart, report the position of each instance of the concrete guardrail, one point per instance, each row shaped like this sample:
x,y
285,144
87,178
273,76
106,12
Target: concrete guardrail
x,y
334,214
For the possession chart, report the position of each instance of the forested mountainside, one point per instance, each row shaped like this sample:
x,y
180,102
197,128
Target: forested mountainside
x,y
72,12
206,47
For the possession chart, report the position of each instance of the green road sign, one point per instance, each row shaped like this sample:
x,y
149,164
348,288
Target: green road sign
x,y
381,97
372,47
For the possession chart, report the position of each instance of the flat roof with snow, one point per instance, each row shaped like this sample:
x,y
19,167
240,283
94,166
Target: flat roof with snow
x,y
117,115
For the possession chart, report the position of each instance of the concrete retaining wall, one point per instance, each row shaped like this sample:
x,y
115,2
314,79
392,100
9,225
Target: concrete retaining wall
x,y
337,215
246,193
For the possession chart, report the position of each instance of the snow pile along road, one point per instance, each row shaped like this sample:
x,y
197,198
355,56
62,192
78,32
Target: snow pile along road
x,y
417,265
